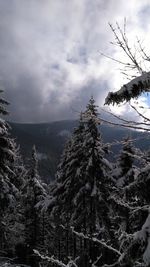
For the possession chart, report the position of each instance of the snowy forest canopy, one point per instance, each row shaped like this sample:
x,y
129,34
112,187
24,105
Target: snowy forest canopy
x,y
95,213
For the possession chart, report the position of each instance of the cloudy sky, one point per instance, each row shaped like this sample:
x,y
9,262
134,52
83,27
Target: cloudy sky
x,y
50,61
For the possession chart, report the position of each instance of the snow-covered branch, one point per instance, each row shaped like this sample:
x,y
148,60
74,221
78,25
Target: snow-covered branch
x,y
71,263
97,241
49,259
134,64
132,89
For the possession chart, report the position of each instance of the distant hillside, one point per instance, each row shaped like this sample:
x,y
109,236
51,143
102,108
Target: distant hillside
x,y
50,138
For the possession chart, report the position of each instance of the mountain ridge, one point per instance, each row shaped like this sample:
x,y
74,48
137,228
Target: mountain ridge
x,y
50,138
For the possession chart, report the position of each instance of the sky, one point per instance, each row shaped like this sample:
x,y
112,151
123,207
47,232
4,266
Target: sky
x,y
50,54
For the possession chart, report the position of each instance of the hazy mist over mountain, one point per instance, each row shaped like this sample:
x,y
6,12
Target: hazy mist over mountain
x,y
50,138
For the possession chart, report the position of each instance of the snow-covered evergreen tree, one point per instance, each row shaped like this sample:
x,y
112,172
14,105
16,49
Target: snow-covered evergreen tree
x,y
137,253
125,170
7,156
95,183
33,193
138,189
14,215
126,159
83,186
125,173
19,170
64,188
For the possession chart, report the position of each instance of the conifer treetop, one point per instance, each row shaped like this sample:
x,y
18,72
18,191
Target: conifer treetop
x,y
3,102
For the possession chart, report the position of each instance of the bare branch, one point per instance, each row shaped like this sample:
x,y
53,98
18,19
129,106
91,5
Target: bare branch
x,y
126,126
122,42
137,58
128,121
116,60
140,114
142,51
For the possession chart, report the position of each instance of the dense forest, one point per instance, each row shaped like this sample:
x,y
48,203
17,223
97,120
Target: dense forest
x,y
95,213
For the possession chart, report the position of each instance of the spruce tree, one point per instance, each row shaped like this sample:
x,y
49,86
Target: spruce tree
x,y
126,170
133,205
7,156
33,193
62,191
92,207
82,189
137,252
124,173
14,215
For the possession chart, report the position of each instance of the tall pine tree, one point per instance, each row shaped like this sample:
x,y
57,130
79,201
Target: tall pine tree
x,y
7,156
82,189
33,193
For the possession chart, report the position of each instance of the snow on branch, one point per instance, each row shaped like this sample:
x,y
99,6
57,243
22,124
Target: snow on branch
x,y
132,89
143,235
53,260
96,241
111,265
49,259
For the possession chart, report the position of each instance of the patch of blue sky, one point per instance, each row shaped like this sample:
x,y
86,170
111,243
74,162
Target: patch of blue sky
x,y
147,98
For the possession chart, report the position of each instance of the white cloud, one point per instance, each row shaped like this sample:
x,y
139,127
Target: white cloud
x,y
51,52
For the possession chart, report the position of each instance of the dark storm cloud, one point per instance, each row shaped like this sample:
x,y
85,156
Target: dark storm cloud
x,y
49,56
